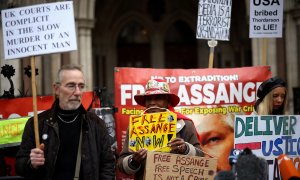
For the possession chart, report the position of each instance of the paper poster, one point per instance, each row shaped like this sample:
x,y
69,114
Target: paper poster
x,y
152,131
214,20
266,18
269,136
11,131
180,167
38,29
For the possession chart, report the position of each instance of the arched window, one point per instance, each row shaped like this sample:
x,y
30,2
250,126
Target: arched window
x,y
133,46
180,46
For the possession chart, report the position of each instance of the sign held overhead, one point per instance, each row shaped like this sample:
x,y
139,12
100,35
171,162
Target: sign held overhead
x,y
266,18
38,29
214,19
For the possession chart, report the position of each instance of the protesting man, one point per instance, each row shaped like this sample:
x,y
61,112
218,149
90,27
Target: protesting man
x,y
157,98
74,142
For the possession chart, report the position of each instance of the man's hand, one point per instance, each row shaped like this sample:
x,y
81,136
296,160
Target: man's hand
x,y
178,146
37,156
139,156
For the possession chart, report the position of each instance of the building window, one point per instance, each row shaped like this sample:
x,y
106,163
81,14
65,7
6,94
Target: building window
x,y
180,46
133,46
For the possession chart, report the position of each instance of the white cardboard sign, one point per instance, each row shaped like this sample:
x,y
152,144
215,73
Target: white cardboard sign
x,y
39,29
214,19
269,136
266,18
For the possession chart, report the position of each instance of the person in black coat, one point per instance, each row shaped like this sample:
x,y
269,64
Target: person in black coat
x,y
74,143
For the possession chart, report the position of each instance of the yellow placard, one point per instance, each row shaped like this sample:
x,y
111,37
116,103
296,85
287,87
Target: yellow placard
x,y
152,131
11,131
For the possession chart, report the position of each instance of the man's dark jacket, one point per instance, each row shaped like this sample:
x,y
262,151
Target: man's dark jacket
x,y
97,161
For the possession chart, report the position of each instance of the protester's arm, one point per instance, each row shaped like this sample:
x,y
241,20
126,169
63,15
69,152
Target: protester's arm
x,y
131,162
191,140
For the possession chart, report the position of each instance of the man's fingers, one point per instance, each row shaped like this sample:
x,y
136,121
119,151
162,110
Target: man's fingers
x,y
42,146
139,155
37,156
178,147
176,142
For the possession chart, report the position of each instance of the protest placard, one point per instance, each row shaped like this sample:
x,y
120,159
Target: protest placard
x,y
11,131
266,18
174,166
38,29
214,19
152,131
269,136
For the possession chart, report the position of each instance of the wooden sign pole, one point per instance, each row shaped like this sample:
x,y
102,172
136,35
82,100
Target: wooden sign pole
x,y
211,58
35,117
264,51
211,44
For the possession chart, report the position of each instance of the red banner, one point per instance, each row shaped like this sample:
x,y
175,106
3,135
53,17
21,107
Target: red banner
x,y
197,89
20,107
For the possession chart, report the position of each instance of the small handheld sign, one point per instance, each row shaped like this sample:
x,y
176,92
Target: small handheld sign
x,y
175,166
152,131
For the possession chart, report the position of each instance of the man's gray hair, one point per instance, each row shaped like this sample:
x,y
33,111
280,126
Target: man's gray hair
x,y
67,67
